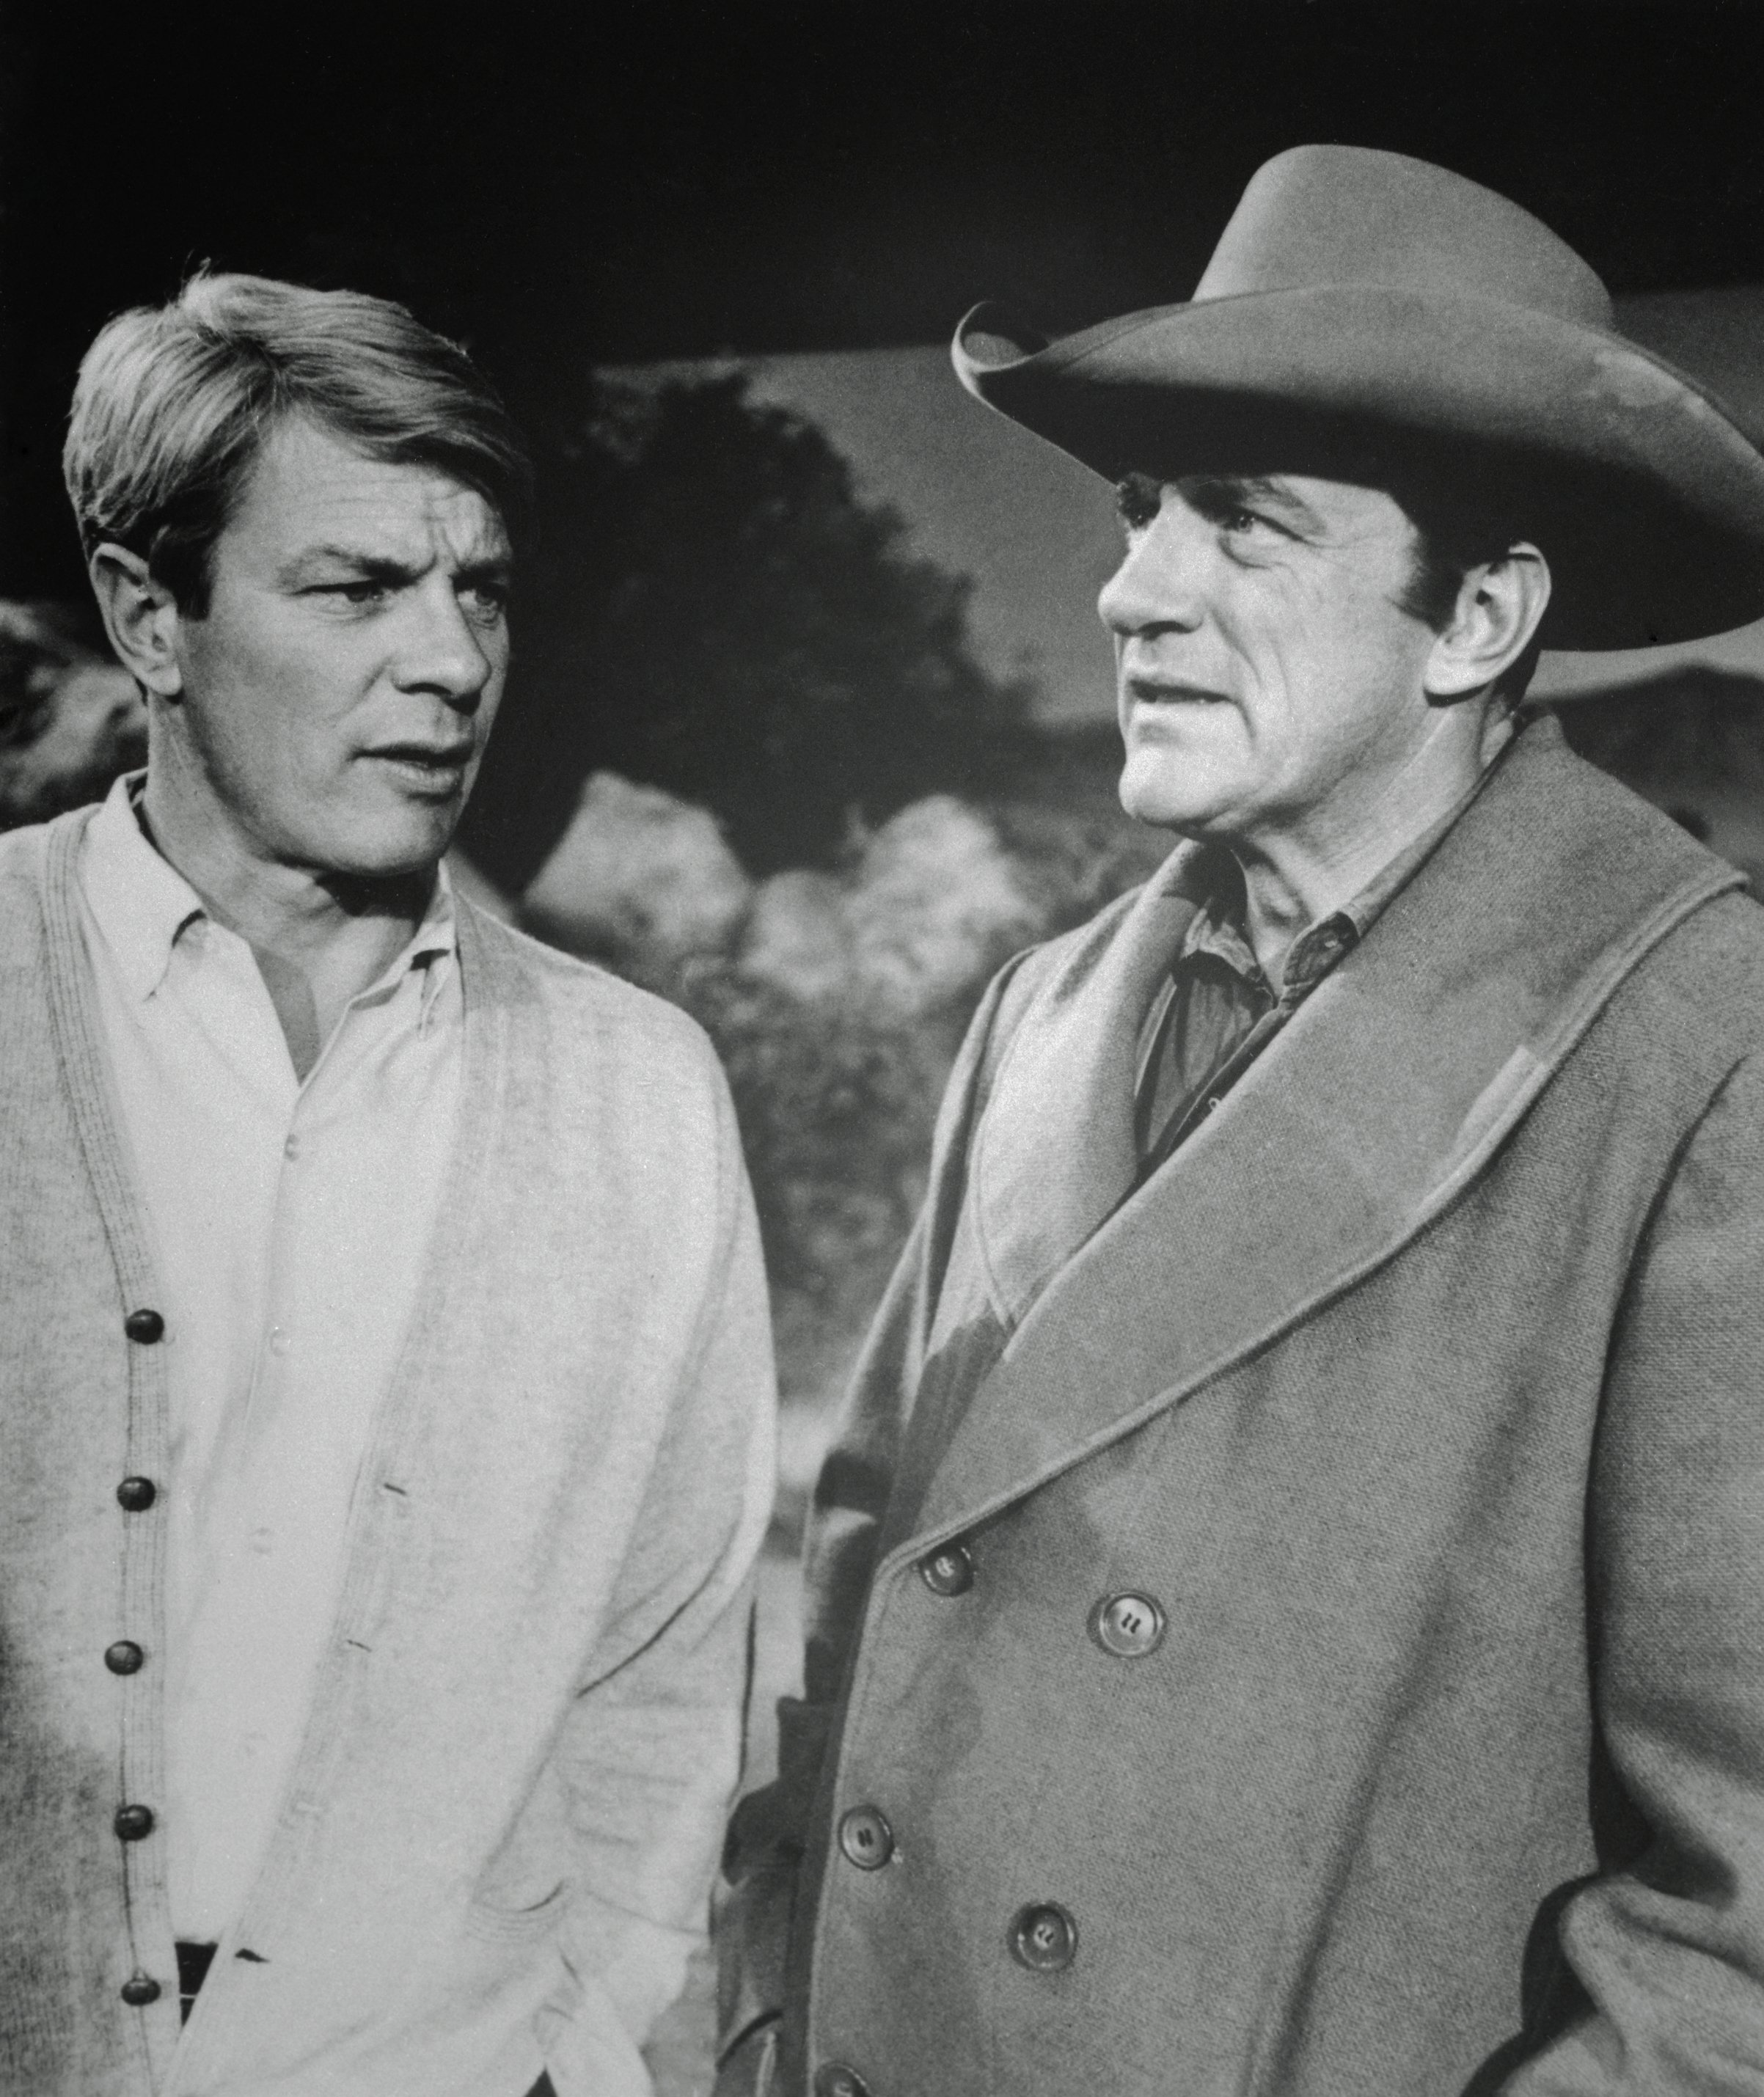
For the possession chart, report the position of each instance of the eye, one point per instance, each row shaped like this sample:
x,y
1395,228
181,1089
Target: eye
x,y
1137,500
363,589
485,601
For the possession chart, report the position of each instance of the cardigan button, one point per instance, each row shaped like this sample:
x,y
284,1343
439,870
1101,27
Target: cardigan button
x,y
144,1327
139,1989
136,1496
125,1657
133,1824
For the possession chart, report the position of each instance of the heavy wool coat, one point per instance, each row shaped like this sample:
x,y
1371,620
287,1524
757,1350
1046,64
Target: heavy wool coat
x,y
1415,1408
495,1851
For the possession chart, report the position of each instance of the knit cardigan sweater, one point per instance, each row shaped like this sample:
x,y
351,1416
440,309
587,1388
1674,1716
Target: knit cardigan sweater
x,y
493,1852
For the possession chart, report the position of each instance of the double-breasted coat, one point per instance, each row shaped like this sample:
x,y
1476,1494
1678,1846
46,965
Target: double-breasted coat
x,y
1298,1628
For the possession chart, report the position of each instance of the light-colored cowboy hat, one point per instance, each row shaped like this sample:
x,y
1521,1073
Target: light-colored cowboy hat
x,y
1363,305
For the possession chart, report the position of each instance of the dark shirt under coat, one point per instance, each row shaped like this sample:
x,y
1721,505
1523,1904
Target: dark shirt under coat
x,y
1219,1011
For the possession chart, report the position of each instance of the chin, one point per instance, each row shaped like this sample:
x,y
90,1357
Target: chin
x,y
1151,795
410,843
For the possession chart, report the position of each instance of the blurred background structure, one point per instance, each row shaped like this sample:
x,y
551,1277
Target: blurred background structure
x,y
811,725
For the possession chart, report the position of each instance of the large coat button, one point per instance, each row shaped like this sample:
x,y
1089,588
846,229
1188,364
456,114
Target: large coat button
x,y
866,1838
133,1822
125,1657
144,1327
833,2078
1128,1626
1045,1938
139,1989
136,1496
949,1571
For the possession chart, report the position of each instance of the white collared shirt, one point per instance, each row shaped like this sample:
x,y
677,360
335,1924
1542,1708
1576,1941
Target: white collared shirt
x,y
289,1222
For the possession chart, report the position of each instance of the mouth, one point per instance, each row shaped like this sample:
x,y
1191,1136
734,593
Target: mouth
x,y
1170,691
431,768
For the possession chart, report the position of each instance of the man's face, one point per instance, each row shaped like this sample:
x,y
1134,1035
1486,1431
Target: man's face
x,y
339,691
1266,667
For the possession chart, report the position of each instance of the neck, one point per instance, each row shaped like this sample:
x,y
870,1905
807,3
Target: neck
x,y
320,939
1297,873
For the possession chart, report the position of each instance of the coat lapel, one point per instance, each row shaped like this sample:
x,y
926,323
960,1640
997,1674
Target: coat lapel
x,y
1385,1094
1052,1167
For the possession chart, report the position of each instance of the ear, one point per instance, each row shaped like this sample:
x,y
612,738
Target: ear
x,y
1498,608
141,617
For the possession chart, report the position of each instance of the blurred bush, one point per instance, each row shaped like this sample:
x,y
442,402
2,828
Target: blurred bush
x,y
708,604
70,717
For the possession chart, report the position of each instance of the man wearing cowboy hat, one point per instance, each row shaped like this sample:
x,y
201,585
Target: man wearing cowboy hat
x,y
1287,1610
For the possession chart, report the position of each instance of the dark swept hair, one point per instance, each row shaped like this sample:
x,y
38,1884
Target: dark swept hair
x,y
174,403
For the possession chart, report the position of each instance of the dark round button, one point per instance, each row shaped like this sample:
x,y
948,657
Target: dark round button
x,y
133,1822
1045,1938
139,1989
1128,1626
137,1494
866,1838
833,2078
949,1571
144,1326
125,1657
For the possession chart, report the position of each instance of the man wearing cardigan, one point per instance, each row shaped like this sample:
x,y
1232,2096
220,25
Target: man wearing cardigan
x,y
1287,1608
385,1389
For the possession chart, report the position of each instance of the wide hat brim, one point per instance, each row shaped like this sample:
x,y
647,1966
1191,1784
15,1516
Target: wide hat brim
x,y
1645,495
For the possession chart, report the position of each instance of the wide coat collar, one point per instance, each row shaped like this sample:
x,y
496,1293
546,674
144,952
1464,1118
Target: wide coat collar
x,y
1384,1095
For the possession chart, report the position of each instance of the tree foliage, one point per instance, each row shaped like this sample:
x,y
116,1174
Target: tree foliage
x,y
710,605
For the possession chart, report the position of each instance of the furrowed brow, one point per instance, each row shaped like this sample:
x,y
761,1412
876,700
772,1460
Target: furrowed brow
x,y
367,567
1262,490
494,568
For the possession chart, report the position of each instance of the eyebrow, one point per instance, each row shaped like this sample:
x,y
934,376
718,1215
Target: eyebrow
x,y
487,568
1259,488
382,568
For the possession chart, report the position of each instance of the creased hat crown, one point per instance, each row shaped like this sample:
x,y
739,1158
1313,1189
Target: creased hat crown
x,y
1346,214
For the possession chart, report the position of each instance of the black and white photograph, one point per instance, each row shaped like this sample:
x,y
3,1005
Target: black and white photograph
x,y
881,1050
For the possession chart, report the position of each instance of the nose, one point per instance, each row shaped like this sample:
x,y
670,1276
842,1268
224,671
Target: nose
x,y
444,653
1157,589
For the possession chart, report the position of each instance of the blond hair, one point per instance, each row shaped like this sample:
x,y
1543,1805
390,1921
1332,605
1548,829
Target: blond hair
x,y
174,404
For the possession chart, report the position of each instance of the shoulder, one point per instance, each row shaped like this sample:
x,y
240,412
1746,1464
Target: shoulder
x,y
25,860
624,1028
602,1083
1704,981
1574,863
22,854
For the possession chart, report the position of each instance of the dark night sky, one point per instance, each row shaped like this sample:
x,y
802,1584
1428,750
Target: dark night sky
x,y
611,182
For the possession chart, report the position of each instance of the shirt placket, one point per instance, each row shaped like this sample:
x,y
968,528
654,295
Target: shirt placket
x,y
266,1612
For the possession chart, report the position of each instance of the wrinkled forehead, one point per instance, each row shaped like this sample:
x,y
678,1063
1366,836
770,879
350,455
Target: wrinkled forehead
x,y
309,486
